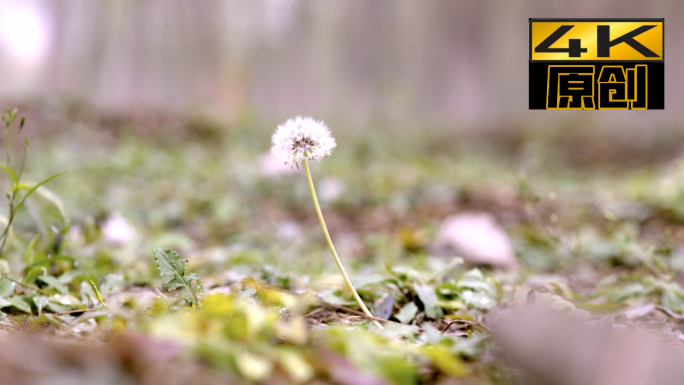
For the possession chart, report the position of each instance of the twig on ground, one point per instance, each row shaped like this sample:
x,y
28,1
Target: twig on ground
x,y
313,312
670,313
75,311
359,313
466,322
26,285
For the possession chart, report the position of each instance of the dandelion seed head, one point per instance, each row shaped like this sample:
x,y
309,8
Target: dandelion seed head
x,y
302,138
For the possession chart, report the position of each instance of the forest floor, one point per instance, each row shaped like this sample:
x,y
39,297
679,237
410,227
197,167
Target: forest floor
x,y
595,219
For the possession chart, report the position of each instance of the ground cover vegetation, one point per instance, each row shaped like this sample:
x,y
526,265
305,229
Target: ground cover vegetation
x,y
177,249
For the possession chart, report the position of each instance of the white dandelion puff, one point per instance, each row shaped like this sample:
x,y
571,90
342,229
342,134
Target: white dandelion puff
x,y
305,139
302,138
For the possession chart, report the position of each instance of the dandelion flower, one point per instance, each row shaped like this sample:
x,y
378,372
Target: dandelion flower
x,y
302,138
307,139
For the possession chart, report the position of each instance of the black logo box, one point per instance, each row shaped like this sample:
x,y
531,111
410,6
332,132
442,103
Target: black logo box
x,y
538,75
538,71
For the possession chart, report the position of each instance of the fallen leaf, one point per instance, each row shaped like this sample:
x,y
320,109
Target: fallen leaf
x,y
477,238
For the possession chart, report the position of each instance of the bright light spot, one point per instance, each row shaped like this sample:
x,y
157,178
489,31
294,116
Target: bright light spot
x,y
117,230
23,31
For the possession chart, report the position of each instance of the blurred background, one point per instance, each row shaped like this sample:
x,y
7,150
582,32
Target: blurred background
x,y
457,63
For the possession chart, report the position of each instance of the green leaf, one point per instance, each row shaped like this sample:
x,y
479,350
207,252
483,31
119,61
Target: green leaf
x,y
448,288
252,366
87,294
295,365
6,287
10,235
28,254
602,309
169,262
57,201
4,267
428,297
97,293
193,277
363,281
36,186
54,283
10,171
40,301
111,282
67,277
4,303
45,261
331,297
453,304
475,280
57,307
397,370
446,362
46,318
20,304
407,312
175,283
34,272
406,274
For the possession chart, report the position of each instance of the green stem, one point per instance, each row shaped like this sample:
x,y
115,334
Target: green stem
x,y
332,247
193,295
26,285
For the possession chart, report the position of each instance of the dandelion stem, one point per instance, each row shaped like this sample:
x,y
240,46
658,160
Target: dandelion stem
x,y
332,247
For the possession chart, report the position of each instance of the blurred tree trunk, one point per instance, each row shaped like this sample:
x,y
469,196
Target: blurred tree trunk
x,y
455,61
